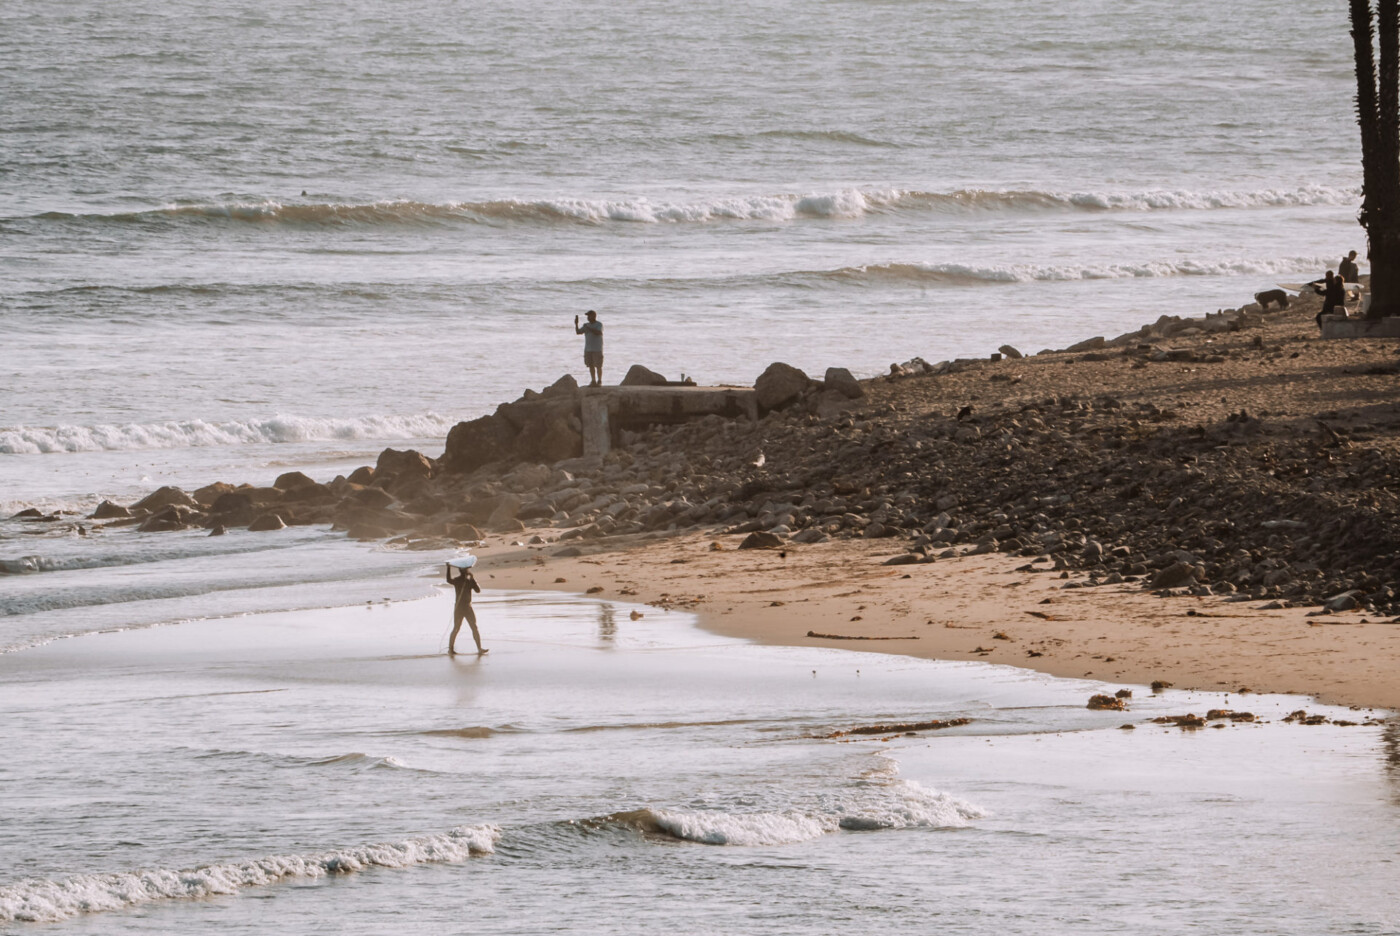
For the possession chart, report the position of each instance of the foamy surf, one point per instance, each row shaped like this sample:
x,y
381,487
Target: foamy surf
x,y
840,203
40,901
195,433
884,804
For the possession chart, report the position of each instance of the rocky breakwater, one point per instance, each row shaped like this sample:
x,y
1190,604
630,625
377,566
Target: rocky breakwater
x,y
1196,468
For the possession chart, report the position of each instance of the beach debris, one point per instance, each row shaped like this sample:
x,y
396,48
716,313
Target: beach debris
x,y
1100,701
1000,635
593,590
901,728
1301,717
1123,694
1181,721
857,637
636,615
1216,714
1160,684
1127,726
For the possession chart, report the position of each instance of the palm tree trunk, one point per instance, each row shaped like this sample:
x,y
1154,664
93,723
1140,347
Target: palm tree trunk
x,y
1378,114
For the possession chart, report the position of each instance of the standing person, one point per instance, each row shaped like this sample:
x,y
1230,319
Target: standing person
x,y
1334,297
592,332
1348,270
465,584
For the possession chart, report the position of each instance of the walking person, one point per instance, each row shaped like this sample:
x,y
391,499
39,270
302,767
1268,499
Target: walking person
x,y
1348,270
465,583
592,332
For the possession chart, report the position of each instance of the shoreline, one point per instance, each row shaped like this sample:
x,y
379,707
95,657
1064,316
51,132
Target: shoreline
x,y
975,608
1206,502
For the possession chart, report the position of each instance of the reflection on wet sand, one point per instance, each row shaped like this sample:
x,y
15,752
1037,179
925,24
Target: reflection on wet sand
x,y
1390,739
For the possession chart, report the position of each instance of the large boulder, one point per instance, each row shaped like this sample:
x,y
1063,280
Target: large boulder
x,y
780,385
109,511
164,497
405,464
639,376
564,385
211,492
266,523
292,481
477,442
844,383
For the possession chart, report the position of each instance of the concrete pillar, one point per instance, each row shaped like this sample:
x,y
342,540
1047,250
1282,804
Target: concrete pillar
x,y
597,433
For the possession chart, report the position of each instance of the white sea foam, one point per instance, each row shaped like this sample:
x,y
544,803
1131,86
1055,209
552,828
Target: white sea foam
x,y
884,804
33,440
966,274
36,901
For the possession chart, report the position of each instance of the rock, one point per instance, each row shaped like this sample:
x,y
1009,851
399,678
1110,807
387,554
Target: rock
x,y
1345,601
362,475
372,497
1089,344
292,481
761,540
779,386
1011,352
564,385
315,492
639,376
810,535
905,559
463,531
477,442
164,497
1176,575
218,529
268,521
366,531
527,478
211,492
841,380
402,464
875,530
109,511
1107,702
503,518
233,509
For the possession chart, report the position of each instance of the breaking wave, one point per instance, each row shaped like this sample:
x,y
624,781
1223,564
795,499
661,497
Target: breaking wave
x,y
844,203
40,901
33,440
901,804
958,274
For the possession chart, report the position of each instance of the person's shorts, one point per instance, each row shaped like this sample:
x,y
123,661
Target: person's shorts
x,y
592,359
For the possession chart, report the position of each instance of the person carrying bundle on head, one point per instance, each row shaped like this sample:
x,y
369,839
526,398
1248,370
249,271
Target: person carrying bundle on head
x,y
465,583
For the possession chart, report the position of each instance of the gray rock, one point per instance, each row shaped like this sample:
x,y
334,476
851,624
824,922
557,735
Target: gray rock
x,y
810,535
268,521
842,381
779,386
639,376
1176,575
761,540
905,559
109,511
1345,601
1011,352
292,481
164,497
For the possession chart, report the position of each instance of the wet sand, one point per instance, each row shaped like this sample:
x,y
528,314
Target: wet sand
x,y
977,608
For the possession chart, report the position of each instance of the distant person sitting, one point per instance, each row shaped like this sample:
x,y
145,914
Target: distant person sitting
x,y
1348,270
592,332
1334,296
465,584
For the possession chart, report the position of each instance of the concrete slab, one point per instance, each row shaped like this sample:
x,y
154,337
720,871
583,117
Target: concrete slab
x,y
606,411
1340,326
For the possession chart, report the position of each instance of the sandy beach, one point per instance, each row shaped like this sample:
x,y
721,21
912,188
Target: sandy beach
x,y
991,606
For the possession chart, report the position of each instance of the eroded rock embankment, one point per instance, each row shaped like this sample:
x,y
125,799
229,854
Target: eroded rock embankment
x,y
1149,459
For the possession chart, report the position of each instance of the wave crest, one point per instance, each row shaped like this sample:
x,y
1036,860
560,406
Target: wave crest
x,y
197,433
959,274
843,203
41,901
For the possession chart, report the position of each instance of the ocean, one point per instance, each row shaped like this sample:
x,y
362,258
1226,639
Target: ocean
x,y
243,239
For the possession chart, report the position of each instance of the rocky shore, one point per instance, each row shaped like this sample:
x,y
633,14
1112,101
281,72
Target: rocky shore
x,y
1231,455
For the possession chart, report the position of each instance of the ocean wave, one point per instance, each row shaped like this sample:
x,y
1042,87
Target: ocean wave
x,y
842,203
42,901
896,804
197,433
959,274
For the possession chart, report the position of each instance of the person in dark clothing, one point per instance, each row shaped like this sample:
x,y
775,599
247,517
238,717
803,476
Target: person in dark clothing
x,y
465,584
1334,296
1348,270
